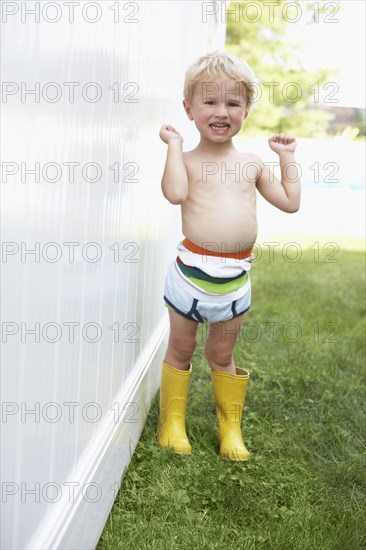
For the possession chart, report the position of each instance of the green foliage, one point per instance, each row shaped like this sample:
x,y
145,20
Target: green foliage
x,y
304,487
287,90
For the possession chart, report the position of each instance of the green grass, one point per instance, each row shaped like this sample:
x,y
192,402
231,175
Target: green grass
x,y
304,423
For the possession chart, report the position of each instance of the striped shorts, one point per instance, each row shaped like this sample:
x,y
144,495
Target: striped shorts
x,y
199,302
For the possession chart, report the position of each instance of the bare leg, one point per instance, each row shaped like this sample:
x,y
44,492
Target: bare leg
x,y
220,344
229,385
174,386
182,341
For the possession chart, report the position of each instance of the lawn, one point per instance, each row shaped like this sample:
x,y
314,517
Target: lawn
x,y
304,487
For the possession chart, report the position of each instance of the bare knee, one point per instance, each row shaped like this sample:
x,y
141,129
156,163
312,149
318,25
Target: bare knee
x,y
220,356
182,347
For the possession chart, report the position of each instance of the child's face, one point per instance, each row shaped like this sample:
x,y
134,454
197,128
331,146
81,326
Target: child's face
x,y
218,108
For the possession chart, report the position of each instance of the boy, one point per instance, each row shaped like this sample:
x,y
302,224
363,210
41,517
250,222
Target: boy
x,y
209,280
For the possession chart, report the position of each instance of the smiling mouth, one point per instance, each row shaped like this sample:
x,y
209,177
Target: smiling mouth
x,y
216,126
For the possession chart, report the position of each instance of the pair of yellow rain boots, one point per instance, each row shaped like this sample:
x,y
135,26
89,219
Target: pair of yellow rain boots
x,y
229,391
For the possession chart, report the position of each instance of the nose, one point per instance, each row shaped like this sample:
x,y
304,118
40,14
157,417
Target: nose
x,y
221,110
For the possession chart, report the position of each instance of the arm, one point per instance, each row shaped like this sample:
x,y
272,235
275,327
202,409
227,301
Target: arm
x,y
174,183
284,194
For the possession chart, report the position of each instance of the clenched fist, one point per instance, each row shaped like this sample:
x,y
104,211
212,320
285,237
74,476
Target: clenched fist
x,y
168,133
282,143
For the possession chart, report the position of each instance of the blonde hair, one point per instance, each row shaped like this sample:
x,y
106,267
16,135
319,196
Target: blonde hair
x,y
219,63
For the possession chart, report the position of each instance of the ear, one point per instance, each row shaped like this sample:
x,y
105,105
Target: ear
x,y
188,109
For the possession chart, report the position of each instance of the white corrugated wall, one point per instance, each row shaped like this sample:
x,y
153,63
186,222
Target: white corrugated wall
x,y
86,240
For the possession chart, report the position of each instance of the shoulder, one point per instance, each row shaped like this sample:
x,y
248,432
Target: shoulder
x,y
191,158
253,164
189,154
250,158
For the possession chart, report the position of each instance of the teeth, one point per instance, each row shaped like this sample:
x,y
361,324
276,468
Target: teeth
x,y
219,126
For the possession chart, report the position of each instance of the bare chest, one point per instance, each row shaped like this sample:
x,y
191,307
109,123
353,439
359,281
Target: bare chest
x,y
222,177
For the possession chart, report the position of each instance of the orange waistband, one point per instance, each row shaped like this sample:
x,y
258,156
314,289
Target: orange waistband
x,y
238,255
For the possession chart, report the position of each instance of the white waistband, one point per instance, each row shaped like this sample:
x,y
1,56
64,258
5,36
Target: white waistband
x,y
200,294
214,266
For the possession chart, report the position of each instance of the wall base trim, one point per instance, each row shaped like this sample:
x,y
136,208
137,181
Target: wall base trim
x,y
75,524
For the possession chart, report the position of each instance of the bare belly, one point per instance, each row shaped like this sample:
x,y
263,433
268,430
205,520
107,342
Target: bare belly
x,y
230,229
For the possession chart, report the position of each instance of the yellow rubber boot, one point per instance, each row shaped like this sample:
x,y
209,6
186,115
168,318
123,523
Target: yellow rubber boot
x,y
174,388
229,390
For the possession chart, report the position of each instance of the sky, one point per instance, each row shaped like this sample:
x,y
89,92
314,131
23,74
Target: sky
x,y
341,45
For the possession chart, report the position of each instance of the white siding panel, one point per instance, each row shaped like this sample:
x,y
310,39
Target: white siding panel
x,y
72,383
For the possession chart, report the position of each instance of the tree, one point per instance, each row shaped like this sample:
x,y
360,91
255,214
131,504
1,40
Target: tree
x,y
259,33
